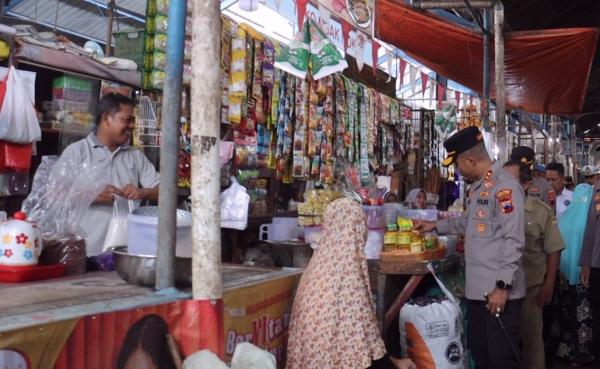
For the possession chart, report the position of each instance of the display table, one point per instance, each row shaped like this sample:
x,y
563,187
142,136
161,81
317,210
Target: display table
x,y
85,321
393,283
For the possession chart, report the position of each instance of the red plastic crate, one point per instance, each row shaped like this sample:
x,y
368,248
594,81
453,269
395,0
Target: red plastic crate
x,y
18,274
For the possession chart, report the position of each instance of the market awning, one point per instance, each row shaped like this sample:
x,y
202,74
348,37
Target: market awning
x,y
74,63
547,71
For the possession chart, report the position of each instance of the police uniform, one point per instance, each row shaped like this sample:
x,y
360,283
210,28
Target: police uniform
x,y
540,188
542,238
590,258
493,226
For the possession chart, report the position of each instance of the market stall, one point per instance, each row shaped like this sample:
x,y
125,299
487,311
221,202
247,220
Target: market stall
x,y
292,139
85,321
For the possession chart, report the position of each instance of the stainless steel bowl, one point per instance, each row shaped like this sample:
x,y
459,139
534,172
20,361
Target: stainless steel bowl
x,y
141,269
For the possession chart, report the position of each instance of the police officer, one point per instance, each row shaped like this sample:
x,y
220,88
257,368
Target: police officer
x,y
493,226
543,245
589,261
540,188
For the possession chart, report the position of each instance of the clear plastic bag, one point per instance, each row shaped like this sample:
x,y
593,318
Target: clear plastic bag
x,y
61,193
234,206
18,119
116,235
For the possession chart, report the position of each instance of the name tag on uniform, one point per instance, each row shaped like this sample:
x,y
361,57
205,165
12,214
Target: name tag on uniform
x,y
483,202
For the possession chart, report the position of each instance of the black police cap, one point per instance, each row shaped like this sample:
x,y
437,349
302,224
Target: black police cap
x,y
460,142
524,154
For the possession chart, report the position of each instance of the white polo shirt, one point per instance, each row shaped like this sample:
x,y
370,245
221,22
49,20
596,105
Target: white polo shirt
x,y
563,201
126,166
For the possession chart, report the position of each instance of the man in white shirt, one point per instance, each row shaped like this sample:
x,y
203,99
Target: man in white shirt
x,y
130,174
555,174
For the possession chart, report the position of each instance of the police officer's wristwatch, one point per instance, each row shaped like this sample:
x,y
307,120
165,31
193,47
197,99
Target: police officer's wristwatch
x,y
501,285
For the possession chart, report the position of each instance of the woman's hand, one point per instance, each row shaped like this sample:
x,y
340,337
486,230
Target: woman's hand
x,y
403,363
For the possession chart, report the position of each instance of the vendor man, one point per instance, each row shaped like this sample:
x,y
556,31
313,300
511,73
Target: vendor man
x,y
493,226
129,173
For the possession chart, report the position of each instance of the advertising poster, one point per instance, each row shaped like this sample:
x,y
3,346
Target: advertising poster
x,y
260,315
116,340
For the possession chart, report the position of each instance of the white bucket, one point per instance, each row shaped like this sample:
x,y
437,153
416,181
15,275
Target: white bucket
x,y
142,232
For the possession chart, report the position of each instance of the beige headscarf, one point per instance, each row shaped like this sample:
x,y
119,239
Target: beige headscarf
x,y
333,323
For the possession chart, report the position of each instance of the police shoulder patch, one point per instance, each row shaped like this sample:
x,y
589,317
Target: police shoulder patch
x,y
504,193
504,197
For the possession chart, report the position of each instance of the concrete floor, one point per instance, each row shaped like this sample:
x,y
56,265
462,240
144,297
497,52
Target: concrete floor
x,y
560,364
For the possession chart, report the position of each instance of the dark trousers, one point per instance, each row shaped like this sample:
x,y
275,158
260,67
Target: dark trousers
x,y
595,305
383,363
489,345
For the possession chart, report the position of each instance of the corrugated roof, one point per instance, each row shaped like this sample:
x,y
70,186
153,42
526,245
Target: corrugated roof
x,y
85,18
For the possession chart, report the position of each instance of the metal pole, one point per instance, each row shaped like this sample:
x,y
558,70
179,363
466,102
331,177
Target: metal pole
x,y
442,4
206,93
499,73
553,135
487,75
110,6
171,115
573,151
532,129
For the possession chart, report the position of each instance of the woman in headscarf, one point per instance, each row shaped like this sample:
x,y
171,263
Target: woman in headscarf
x,y
416,199
333,324
390,197
572,321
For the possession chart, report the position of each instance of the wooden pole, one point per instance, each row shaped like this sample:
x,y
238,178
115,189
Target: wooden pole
x,y
110,7
487,75
500,86
206,98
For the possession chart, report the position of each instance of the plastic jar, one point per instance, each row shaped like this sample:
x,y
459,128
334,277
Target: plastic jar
x,y
416,247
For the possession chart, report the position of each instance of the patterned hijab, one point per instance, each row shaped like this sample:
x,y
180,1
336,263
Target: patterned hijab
x,y
333,323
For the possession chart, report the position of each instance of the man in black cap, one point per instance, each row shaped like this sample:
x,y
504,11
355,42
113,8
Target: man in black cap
x,y
493,226
540,188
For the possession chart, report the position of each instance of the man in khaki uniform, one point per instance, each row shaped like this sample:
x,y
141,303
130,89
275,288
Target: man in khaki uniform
x,y
539,188
541,259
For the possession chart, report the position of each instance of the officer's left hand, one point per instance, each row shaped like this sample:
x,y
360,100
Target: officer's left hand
x,y
497,301
133,193
545,295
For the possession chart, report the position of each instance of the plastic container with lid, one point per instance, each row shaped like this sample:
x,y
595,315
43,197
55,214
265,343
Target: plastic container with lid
x,y
374,216
374,243
142,232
